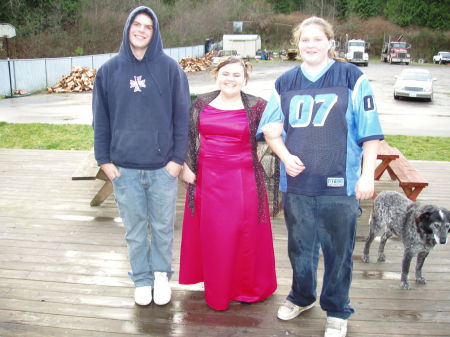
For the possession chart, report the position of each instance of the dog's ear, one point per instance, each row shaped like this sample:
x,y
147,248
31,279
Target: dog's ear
x,y
423,214
423,218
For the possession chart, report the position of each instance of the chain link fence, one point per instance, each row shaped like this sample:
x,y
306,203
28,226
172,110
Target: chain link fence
x,y
33,75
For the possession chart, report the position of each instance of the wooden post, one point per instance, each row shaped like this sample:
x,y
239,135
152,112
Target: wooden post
x,y
9,67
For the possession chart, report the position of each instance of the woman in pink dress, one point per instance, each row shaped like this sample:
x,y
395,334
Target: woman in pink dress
x,y
227,236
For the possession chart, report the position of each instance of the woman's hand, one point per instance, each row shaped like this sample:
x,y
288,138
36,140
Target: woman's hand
x,y
187,175
272,132
365,187
293,165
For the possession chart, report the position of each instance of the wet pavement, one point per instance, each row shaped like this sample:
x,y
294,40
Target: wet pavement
x,y
403,117
71,108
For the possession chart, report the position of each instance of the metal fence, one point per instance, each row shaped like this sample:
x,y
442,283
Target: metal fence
x,y
37,74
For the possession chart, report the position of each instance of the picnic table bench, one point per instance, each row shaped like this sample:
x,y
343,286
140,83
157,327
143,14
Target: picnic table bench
x,y
400,169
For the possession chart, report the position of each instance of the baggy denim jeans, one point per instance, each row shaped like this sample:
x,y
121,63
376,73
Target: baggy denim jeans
x,y
146,201
327,222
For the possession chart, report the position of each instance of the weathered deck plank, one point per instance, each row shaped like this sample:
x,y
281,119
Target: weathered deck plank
x,y
63,268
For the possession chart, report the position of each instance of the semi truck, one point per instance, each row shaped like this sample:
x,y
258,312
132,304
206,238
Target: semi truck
x,y
355,52
396,51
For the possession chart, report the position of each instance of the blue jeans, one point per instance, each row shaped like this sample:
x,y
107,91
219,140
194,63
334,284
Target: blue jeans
x,y
327,222
147,199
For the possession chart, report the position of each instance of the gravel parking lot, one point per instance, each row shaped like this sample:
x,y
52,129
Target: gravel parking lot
x,y
403,117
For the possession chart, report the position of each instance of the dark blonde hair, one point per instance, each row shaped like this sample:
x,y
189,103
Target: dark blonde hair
x,y
247,66
327,28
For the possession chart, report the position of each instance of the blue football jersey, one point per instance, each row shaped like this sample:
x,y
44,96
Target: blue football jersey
x,y
326,120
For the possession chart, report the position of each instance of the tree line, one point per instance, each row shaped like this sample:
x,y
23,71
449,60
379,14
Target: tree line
x,y
426,13
35,15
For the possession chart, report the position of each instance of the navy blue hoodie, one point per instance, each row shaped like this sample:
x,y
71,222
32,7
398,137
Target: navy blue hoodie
x,y
140,107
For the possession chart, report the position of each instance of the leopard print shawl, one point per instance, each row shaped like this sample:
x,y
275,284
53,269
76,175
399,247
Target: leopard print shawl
x,y
254,107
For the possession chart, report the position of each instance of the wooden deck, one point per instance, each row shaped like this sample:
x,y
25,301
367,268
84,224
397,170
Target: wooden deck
x,y
63,268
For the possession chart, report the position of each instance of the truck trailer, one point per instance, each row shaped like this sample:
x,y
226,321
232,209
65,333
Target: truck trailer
x,y
246,45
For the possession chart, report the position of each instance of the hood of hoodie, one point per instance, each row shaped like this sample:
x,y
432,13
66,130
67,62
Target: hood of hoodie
x,y
154,49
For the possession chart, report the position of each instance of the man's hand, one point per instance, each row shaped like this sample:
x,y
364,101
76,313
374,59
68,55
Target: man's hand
x,y
110,170
173,168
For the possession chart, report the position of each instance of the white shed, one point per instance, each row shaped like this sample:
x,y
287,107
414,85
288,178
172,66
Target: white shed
x,y
246,45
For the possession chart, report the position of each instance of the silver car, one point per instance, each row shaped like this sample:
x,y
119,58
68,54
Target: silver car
x,y
414,83
222,55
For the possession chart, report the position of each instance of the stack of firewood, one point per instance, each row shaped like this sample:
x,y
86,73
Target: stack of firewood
x,y
80,79
190,64
20,92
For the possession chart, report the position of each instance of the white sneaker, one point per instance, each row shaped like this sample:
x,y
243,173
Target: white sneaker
x,y
289,310
161,291
336,327
143,295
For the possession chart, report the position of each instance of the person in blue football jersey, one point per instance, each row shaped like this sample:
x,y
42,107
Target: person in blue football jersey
x,y
322,122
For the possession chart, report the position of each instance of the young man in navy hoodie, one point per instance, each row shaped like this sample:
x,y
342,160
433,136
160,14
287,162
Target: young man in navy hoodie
x,y
140,119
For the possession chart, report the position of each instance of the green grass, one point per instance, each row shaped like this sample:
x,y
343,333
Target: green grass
x,y
46,136
80,137
422,148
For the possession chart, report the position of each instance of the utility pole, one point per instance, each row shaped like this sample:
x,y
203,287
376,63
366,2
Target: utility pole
x,y
8,31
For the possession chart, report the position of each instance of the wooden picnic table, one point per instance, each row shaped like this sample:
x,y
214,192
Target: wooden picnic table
x,y
400,169
392,160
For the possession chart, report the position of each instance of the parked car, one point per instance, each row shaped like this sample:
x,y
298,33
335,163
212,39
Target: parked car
x,y
443,57
223,54
415,83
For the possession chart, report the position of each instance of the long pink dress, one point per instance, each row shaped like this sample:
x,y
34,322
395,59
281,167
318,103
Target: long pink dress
x,y
223,245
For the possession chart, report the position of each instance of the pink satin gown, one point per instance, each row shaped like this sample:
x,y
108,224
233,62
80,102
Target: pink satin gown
x,y
223,245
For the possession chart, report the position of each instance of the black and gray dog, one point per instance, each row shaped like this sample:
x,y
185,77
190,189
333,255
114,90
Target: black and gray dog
x,y
419,226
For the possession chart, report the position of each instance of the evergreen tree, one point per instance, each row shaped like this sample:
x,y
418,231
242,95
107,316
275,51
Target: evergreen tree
x,y
286,6
342,10
33,16
365,8
427,13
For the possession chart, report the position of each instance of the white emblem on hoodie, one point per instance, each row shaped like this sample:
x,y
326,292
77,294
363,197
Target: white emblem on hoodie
x,y
137,83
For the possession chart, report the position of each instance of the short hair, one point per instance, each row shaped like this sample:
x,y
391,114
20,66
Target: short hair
x,y
314,20
247,66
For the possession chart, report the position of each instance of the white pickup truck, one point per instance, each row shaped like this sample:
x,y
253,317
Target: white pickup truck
x,y
443,57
